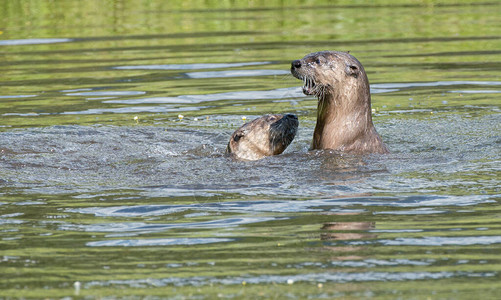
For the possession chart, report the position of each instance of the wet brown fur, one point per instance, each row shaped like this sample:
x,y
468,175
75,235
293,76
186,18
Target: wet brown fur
x,y
344,119
264,136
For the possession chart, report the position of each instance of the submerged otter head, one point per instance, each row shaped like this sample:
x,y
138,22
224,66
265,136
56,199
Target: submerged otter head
x,y
264,136
329,72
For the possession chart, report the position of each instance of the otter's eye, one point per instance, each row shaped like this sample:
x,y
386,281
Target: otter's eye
x,y
317,61
237,137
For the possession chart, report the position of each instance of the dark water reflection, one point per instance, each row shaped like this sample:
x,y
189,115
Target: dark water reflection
x,y
113,177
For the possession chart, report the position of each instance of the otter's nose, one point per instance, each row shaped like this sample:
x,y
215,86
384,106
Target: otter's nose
x,y
296,64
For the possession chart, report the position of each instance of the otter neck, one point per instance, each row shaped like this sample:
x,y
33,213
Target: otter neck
x,y
343,116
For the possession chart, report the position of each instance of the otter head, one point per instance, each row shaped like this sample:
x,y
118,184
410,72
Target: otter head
x,y
264,136
329,72
344,120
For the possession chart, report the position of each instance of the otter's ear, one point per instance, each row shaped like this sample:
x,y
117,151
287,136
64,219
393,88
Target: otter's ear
x,y
352,70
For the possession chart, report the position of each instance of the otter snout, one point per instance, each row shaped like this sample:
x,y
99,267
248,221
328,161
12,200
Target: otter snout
x,y
288,120
296,64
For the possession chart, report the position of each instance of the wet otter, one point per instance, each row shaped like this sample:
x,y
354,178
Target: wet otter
x,y
264,136
344,120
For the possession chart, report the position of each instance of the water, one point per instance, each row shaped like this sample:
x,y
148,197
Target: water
x,y
106,191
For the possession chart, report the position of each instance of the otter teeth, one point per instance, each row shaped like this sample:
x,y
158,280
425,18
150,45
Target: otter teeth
x,y
308,86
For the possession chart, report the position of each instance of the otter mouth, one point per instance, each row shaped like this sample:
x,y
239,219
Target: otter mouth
x,y
308,86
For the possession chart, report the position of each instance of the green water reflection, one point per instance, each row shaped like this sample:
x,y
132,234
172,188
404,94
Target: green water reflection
x,y
375,249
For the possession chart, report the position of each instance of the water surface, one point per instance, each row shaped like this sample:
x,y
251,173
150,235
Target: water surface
x,y
114,181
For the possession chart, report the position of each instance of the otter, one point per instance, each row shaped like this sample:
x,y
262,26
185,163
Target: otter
x,y
344,120
264,136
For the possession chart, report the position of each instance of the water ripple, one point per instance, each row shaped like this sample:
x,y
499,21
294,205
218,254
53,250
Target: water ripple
x,y
17,96
238,95
107,93
192,66
125,110
338,277
33,41
286,206
477,91
157,242
235,73
149,228
406,85
443,241
371,263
